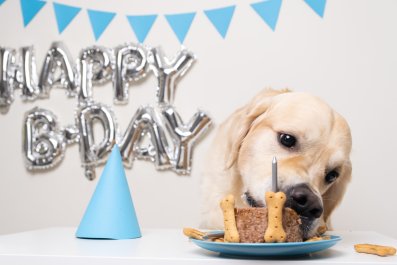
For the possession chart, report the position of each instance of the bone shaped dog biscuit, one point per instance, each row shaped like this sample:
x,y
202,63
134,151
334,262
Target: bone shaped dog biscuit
x,y
231,233
275,204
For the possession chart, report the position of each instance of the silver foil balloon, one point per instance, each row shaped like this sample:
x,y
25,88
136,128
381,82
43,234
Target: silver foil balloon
x,y
154,133
7,74
102,60
96,68
27,75
57,71
131,65
145,123
91,152
168,73
71,134
185,136
85,81
43,142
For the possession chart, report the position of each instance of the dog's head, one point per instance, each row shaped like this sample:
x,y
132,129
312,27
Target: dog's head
x,y
312,143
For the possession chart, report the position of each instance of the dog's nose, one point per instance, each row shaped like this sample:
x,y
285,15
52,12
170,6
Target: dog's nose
x,y
302,199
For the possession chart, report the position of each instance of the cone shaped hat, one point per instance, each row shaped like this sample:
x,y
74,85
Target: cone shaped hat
x,y
110,213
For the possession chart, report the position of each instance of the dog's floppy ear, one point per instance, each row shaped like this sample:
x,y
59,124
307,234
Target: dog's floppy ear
x,y
238,124
334,195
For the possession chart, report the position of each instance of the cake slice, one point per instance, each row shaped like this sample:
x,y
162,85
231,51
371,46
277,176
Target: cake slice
x,y
252,223
275,223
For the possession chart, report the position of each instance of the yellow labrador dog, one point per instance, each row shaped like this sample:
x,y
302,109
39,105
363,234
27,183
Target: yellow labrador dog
x,y
311,141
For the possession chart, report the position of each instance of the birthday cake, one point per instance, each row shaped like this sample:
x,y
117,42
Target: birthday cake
x,y
271,224
275,223
252,223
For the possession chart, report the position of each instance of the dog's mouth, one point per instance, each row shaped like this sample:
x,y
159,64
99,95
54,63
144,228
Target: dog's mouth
x,y
307,226
251,201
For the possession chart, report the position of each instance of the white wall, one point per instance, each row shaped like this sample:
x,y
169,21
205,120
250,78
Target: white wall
x,y
349,58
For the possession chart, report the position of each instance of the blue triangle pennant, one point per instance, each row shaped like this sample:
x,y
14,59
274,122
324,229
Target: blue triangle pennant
x,y
99,21
180,24
141,25
317,5
221,18
268,11
30,8
64,15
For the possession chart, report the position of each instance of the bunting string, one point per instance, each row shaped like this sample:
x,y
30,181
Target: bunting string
x,y
180,23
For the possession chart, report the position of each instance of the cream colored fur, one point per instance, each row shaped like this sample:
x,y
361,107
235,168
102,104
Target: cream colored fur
x,y
244,145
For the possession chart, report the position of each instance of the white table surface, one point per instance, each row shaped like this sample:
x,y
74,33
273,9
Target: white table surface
x,y
58,246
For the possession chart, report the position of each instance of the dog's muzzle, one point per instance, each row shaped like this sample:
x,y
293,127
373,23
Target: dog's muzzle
x,y
307,204
304,201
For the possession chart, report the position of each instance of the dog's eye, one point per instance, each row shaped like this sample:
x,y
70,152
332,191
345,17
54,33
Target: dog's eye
x,y
287,140
331,176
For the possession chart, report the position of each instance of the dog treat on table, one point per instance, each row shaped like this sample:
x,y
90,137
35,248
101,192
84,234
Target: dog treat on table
x,y
193,233
379,250
197,234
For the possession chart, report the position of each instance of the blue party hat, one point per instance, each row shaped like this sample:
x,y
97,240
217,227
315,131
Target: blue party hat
x,y
110,213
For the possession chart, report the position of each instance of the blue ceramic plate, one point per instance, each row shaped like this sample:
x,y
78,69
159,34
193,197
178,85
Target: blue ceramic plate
x,y
267,249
